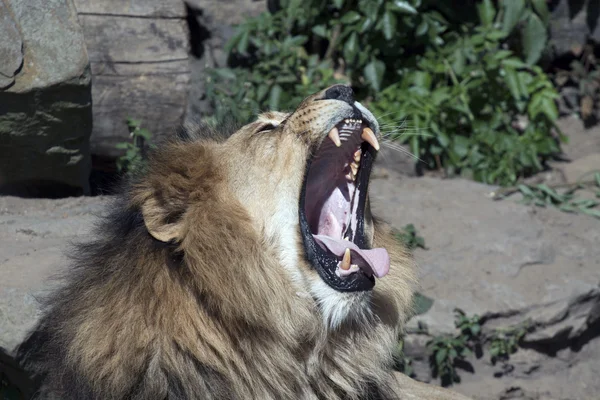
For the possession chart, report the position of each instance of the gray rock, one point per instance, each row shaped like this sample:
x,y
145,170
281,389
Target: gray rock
x,y
140,68
510,264
45,115
11,54
34,238
572,24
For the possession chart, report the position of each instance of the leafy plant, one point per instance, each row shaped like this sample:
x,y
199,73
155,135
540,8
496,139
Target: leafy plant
x,y
466,76
490,114
410,237
447,351
504,342
542,195
133,160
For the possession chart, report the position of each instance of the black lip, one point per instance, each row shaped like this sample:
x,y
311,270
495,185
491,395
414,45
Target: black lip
x,y
326,263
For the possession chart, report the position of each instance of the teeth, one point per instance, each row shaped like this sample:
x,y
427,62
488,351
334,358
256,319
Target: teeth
x,y
353,121
369,137
334,135
357,155
346,238
345,265
349,176
354,168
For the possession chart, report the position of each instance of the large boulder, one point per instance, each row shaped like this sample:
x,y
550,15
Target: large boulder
x,y
140,69
511,264
573,24
45,99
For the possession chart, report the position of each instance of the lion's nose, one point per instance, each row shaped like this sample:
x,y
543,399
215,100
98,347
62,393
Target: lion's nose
x,y
340,92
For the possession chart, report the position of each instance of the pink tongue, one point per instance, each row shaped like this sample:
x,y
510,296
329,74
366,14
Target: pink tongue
x,y
375,261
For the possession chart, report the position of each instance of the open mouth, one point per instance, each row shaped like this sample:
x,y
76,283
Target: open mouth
x,y
332,209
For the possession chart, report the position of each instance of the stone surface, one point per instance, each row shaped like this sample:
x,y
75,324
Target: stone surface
x,y
45,115
34,236
572,24
11,47
140,68
510,264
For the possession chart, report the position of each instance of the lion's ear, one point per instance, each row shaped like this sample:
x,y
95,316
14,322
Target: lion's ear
x,y
161,224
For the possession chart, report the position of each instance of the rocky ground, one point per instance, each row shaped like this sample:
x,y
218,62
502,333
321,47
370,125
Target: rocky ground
x,y
504,261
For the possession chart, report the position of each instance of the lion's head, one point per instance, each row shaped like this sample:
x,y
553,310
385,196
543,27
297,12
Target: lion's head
x,y
302,179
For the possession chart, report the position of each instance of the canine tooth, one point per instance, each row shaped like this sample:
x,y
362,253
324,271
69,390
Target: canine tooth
x,y
369,137
349,176
354,169
346,238
334,135
357,155
345,265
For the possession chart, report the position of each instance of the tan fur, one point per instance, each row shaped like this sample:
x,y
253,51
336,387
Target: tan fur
x,y
221,303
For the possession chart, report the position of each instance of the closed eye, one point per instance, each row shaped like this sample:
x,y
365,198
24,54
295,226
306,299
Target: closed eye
x,y
266,127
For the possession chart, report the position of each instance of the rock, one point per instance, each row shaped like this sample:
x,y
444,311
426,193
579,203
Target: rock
x,y
11,48
214,26
34,236
581,168
572,24
510,264
140,68
45,112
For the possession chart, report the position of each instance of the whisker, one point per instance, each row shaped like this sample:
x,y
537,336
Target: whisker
x,y
401,149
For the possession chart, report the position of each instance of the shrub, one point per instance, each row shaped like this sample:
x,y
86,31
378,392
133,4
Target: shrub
x,y
466,76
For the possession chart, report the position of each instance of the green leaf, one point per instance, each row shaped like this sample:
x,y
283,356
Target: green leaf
x,y
487,12
242,46
512,81
351,47
403,7
534,39
374,72
548,107
421,304
513,11
440,356
597,178
338,4
422,29
350,17
541,8
461,146
122,145
320,30
275,97
389,25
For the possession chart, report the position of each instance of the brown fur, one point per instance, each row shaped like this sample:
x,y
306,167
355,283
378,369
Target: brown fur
x,y
187,292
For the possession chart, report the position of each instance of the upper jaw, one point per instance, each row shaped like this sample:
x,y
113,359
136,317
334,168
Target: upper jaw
x,y
323,246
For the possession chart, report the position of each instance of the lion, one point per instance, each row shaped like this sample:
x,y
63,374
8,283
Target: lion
x,y
246,266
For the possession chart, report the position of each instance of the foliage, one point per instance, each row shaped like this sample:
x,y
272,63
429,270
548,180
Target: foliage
x,y
504,342
542,195
446,351
465,75
489,113
410,237
133,160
